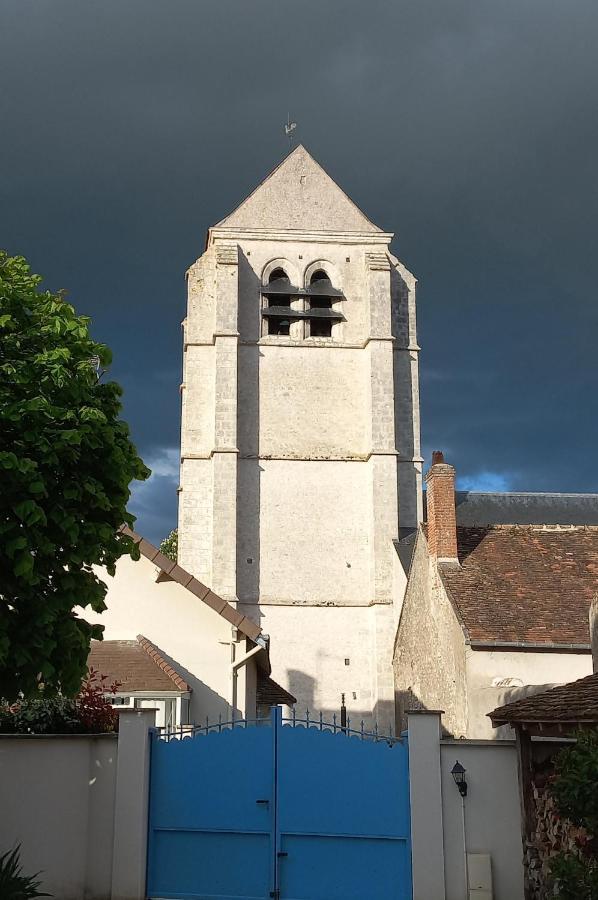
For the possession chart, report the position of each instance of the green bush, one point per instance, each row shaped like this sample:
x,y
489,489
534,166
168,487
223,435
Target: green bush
x,y
575,788
13,884
574,878
51,715
91,712
574,873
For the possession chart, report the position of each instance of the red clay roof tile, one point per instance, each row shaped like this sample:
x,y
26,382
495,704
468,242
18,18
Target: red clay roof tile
x,y
137,665
573,702
525,584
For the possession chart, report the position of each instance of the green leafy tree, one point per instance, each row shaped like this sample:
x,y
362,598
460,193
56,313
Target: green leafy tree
x,y
575,790
66,463
170,545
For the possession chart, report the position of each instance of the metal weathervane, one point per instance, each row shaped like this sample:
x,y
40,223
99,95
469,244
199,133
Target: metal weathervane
x,y
289,128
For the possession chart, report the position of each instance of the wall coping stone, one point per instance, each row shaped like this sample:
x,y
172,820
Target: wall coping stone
x,y
44,737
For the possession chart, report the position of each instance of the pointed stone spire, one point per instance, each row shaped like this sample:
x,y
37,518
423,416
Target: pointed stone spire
x,y
299,196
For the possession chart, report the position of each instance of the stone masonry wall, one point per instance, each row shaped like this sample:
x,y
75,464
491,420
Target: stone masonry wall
x,y
429,660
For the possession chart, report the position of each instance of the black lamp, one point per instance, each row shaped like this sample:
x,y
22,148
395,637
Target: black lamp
x,y
458,773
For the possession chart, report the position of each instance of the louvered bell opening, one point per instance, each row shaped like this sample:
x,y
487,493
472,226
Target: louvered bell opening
x,y
279,286
323,288
320,312
277,309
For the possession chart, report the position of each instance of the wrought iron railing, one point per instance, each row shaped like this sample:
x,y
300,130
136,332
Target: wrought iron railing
x,y
316,722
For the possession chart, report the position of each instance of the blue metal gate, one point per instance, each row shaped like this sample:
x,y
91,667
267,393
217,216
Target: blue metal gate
x,y
293,811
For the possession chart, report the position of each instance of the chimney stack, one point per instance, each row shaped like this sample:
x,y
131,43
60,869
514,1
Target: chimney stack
x,y
442,518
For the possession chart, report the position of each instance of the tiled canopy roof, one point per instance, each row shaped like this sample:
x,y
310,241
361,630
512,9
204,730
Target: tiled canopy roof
x,y
572,703
269,693
136,665
525,584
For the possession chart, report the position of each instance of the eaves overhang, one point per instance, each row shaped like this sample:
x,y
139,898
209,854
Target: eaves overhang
x,y
534,646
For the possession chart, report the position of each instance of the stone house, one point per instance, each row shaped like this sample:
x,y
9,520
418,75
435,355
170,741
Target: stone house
x,y
196,658
491,612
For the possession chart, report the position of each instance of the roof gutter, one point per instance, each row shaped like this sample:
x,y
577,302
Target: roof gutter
x,y
260,647
529,645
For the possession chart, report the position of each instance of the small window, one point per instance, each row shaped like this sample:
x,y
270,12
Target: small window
x,y
119,701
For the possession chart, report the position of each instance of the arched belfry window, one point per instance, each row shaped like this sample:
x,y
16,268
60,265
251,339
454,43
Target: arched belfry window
x,y
320,311
291,311
277,303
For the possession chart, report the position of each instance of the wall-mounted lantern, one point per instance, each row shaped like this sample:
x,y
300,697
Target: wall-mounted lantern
x,y
458,773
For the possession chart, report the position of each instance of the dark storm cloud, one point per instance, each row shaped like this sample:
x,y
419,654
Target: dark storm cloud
x,y
468,128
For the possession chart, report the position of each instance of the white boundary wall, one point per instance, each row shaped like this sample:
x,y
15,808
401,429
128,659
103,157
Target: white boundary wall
x,y
492,814
77,804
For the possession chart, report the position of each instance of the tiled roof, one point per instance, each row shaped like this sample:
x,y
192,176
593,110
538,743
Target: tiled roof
x,y
269,693
477,508
136,665
569,703
172,570
525,584
525,508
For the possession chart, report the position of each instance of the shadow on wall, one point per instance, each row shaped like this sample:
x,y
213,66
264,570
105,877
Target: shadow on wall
x,y
302,685
248,417
204,702
408,474
408,701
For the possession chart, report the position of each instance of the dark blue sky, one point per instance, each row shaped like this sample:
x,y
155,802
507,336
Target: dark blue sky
x,y
467,128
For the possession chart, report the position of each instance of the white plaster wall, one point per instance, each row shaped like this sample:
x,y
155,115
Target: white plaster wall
x,y
311,401
308,651
314,532
188,633
492,816
58,803
537,671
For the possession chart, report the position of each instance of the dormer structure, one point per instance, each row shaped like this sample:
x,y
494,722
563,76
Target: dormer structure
x,y
300,431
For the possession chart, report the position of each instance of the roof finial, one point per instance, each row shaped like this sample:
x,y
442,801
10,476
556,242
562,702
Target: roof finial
x,y
289,129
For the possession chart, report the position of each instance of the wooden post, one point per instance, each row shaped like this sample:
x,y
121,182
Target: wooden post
x,y
524,771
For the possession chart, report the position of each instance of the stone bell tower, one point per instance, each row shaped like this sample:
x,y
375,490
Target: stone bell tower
x,y
300,432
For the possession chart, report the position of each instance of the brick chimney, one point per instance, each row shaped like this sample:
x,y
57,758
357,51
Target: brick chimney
x,y
442,518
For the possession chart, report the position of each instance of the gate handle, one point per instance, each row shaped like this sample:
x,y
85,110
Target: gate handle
x,y
262,801
282,853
